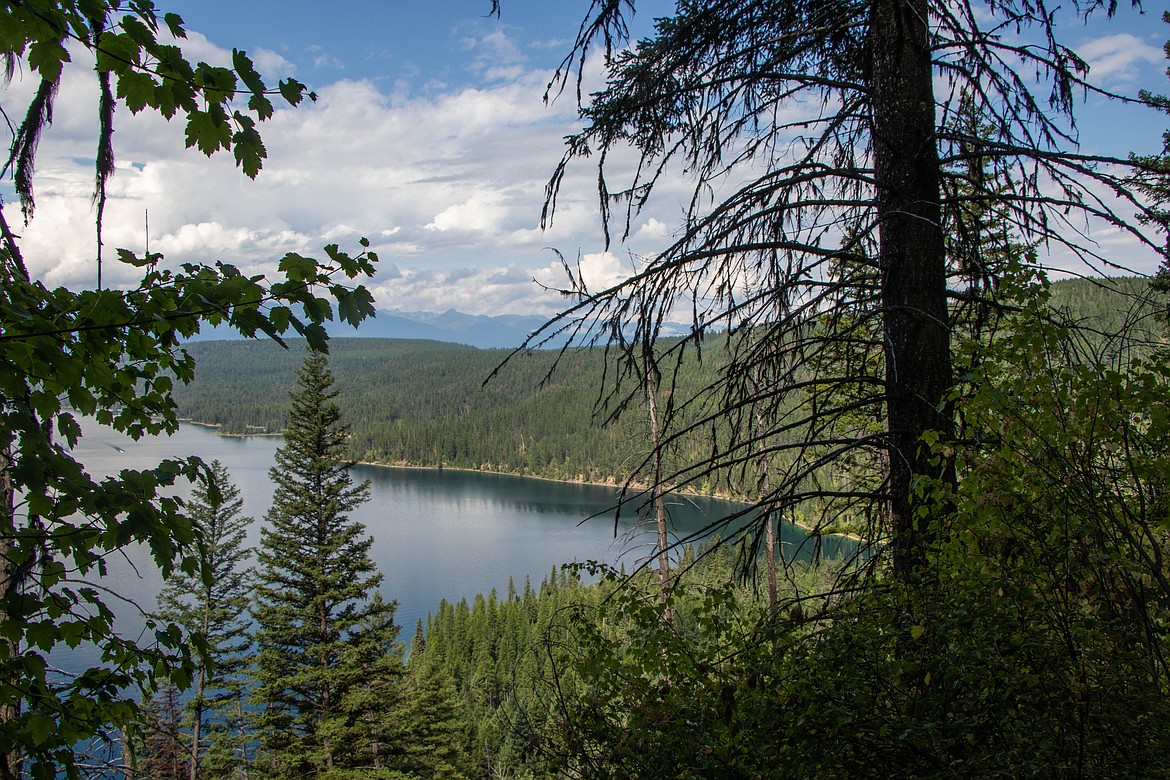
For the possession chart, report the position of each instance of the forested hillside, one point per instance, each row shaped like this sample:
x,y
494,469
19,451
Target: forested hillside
x,y
1108,311
429,403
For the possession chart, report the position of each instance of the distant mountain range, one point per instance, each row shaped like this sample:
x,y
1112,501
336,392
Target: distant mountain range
x,y
504,331
508,331
474,330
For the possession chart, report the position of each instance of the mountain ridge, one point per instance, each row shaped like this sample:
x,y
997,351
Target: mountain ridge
x,y
482,331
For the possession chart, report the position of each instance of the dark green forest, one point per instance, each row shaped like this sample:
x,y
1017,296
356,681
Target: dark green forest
x,y
433,404
424,403
509,685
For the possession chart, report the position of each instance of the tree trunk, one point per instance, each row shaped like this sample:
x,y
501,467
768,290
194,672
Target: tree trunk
x,y
323,627
9,584
765,489
200,687
912,259
243,738
656,485
770,521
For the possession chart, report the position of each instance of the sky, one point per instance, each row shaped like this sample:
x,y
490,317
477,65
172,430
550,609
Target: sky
x,y
431,138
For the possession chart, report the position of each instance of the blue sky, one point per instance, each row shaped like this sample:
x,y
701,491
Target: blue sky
x,y
389,41
430,137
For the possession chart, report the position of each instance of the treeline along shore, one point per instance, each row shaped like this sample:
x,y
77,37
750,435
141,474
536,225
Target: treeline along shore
x,y
431,404
426,404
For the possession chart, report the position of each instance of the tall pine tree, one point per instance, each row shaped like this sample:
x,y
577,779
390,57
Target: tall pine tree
x,y
214,606
323,633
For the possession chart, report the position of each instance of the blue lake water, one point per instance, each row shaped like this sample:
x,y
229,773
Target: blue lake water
x,y
436,533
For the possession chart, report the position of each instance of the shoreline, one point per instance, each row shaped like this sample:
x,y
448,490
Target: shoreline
x,y
634,488
218,428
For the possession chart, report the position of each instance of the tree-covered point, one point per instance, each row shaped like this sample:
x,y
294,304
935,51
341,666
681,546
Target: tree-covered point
x,y
426,403
429,403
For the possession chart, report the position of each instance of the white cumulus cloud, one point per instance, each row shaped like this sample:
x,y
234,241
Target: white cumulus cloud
x,y
1118,58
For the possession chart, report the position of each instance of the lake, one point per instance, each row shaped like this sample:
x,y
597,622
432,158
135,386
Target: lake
x,y
437,533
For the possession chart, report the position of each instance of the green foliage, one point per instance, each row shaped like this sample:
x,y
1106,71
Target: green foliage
x,y
1035,647
157,750
212,609
1115,319
639,688
426,403
328,656
476,694
116,355
146,74
113,354
1153,176
933,161
540,679
433,724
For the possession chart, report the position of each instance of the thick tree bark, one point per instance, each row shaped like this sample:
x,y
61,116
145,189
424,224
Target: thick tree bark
x,y
912,258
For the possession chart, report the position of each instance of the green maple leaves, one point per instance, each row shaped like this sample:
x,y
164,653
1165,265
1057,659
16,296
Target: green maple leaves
x,y
221,105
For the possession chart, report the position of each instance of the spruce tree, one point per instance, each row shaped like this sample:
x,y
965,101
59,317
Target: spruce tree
x,y
214,607
434,722
325,637
161,754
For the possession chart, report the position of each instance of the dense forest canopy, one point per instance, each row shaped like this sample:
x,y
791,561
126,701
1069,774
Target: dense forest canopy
x,y
427,403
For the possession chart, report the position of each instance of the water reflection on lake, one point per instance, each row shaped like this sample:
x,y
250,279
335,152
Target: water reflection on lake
x,y
437,533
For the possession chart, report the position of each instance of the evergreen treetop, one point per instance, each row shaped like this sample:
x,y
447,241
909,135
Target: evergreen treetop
x,y
213,608
320,622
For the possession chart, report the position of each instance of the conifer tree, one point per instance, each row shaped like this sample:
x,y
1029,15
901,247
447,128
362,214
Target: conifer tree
x,y
1153,179
928,108
161,755
214,607
325,637
434,722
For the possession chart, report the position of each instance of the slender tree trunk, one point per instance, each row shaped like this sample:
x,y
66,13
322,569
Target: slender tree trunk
x,y
129,759
200,687
769,539
323,627
765,489
656,483
243,737
9,584
913,265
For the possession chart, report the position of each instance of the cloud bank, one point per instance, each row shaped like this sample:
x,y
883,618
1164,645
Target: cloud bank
x,y
447,183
